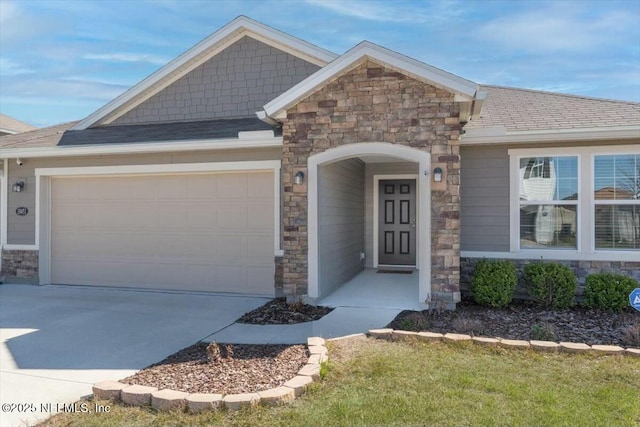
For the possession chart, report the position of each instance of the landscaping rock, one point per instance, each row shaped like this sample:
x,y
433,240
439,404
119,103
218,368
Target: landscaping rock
x,y
485,341
317,349
608,349
277,396
200,402
430,336
108,390
299,384
633,352
403,335
235,402
167,400
311,341
456,337
549,346
521,344
312,371
137,395
574,347
384,334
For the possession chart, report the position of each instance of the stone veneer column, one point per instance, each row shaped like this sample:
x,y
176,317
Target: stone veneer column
x,y
373,104
20,266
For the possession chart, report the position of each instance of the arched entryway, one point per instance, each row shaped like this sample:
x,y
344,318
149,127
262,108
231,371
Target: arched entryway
x,y
344,182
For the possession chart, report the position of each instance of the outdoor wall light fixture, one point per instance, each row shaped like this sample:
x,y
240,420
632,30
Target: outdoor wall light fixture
x,y
18,187
437,175
298,178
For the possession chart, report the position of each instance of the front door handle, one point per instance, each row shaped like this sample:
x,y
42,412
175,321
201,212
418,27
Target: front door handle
x,y
413,222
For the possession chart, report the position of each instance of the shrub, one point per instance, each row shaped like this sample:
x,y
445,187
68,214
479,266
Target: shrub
x,y
494,283
543,331
608,291
551,284
415,321
467,325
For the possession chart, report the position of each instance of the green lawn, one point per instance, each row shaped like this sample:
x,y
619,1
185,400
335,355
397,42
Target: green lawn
x,y
373,382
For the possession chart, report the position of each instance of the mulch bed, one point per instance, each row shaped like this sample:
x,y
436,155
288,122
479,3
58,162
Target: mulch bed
x,y
279,312
520,319
250,368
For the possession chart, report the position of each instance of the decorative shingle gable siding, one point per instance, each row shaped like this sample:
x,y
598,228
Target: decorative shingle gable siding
x,y
235,83
373,104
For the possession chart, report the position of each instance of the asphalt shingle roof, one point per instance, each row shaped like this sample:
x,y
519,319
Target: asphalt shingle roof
x,y
528,110
61,135
9,123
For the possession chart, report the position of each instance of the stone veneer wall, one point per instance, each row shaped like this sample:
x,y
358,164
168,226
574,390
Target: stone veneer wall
x,y
581,268
373,104
21,265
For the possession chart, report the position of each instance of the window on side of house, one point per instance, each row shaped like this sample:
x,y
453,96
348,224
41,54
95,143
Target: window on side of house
x,y
549,197
616,197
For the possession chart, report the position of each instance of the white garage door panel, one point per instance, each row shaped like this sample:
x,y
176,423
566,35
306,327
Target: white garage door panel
x,y
205,232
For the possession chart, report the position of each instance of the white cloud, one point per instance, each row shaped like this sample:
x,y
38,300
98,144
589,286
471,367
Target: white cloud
x,y
9,67
128,57
555,30
400,12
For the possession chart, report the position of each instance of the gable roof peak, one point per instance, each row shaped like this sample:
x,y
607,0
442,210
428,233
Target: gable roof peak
x,y
206,49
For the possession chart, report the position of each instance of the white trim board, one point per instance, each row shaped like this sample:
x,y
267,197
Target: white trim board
x,y
376,213
559,255
423,237
500,135
142,147
43,200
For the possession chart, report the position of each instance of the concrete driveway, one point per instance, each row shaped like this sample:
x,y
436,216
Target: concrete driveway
x,y
59,340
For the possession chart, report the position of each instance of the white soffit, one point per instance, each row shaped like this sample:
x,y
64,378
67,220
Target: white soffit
x,y
465,90
197,55
500,135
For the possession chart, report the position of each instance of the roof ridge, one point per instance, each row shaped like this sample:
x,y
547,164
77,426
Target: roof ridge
x,y
567,95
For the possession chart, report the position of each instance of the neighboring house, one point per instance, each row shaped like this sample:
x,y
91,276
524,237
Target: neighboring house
x,y
11,126
258,163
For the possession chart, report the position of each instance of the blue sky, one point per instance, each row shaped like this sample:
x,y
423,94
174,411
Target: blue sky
x,y
62,60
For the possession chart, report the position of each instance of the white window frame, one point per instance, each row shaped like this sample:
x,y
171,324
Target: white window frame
x,y
607,202
575,203
586,204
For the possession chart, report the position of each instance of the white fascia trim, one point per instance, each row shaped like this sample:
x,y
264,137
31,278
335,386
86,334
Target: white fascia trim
x,y
142,147
8,131
627,256
499,135
225,36
379,54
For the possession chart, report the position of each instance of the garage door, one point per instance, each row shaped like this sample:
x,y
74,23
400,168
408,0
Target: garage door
x,y
204,232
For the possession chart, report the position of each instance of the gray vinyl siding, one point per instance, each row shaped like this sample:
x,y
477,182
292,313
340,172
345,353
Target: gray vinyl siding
x,y
21,229
340,223
372,169
237,82
484,191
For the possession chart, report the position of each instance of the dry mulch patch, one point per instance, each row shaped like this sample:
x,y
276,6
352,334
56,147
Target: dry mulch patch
x,y
279,312
238,368
524,320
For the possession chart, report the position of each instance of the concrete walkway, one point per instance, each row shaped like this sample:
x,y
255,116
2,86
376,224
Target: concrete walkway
x,y
341,321
56,341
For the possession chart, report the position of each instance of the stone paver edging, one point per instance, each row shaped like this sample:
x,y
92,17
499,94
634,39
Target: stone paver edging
x,y
166,400
541,346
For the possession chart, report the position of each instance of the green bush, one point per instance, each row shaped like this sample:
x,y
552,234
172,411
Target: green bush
x,y
608,291
551,284
494,283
